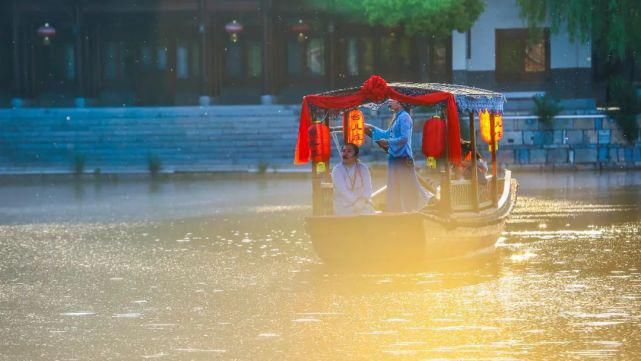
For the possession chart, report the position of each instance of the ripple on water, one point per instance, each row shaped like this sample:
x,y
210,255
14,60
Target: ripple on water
x,y
200,350
159,326
268,334
157,355
593,353
378,332
78,314
465,327
127,315
306,320
396,320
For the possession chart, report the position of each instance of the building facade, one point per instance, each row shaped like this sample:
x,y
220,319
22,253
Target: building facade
x,y
189,52
182,52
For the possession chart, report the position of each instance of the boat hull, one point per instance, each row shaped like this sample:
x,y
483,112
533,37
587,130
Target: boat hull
x,y
385,238
425,236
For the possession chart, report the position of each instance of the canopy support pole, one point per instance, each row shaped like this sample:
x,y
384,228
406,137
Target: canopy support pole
x,y
495,183
446,202
475,177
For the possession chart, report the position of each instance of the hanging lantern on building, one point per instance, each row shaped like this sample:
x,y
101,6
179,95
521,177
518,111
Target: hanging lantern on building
x,y
319,143
46,32
301,29
354,127
433,143
234,28
485,128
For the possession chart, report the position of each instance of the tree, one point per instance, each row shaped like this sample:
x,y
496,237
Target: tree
x,y
614,27
435,18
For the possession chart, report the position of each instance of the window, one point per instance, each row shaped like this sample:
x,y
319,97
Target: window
x,y
519,58
161,58
70,62
234,60
145,54
254,59
359,59
306,58
244,60
352,56
439,64
182,63
110,62
294,54
187,60
396,57
316,56
6,58
195,60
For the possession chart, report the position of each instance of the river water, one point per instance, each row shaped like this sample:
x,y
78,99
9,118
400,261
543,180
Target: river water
x,y
210,268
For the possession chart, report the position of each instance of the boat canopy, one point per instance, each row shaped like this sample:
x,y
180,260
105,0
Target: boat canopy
x,y
375,91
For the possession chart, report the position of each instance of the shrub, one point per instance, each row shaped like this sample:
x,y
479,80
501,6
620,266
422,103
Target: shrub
x,y
262,167
624,95
79,161
546,108
154,164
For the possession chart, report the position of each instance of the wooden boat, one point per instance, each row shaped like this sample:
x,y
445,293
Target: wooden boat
x,y
425,235
469,215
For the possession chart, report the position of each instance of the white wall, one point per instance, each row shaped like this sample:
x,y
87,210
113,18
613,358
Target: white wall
x,y
504,14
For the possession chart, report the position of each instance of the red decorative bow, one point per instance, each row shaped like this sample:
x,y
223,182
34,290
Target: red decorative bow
x,y
375,89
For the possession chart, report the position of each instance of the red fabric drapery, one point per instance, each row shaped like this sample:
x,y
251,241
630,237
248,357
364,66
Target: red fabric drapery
x,y
375,89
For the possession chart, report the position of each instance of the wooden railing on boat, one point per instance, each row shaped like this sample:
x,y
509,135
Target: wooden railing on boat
x,y
462,198
461,194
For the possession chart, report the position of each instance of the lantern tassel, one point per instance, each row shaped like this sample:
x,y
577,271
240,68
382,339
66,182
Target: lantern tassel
x,y
431,162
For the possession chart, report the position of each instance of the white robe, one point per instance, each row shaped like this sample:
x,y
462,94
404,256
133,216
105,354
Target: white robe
x,y
352,189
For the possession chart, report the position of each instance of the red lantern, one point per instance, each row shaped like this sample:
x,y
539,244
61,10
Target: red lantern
x,y
46,32
354,127
301,29
234,28
319,142
433,144
485,128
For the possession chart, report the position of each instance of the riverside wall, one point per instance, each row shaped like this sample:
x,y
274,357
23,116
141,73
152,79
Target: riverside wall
x,y
260,138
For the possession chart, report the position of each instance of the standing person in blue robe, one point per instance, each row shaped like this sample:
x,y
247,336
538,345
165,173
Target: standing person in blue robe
x,y
404,193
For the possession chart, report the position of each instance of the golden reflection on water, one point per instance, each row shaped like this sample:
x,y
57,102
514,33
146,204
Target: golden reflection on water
x,y
246,285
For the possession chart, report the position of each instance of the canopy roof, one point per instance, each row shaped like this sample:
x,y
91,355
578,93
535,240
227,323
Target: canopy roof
x,y
468,99
376,90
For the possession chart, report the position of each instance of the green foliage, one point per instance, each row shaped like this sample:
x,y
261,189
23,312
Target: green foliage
x,y
262,167
625,97
614,26
435,18
154,164
79,161
546,108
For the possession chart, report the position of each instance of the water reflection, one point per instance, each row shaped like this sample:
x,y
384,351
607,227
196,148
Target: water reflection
x,y
203,269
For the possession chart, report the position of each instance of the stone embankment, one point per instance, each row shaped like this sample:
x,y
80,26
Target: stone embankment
x,y
258,138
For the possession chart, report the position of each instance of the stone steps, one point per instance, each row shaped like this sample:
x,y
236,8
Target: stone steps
x,y
190,138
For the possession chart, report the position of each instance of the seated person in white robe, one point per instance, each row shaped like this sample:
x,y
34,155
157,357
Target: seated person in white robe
x,y
352,184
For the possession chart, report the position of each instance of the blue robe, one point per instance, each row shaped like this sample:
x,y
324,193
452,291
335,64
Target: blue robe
x,y
404,193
